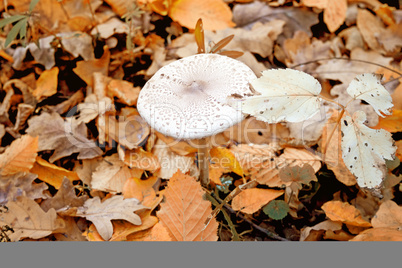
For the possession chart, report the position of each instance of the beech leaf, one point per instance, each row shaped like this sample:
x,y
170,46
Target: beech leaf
x,y
113,208
184,211
368,87
286,95
364,150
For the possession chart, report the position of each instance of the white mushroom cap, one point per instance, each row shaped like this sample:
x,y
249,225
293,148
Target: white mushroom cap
x,y
188,99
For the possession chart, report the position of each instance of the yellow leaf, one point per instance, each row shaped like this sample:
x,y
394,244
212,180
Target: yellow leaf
x,y
46,85
223,157
51,173
251,200
215,14
20,156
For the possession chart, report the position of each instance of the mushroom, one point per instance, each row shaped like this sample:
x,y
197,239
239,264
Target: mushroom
x,y
189,99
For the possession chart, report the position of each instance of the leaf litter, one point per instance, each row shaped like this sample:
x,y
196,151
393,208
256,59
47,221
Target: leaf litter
x,y
77,162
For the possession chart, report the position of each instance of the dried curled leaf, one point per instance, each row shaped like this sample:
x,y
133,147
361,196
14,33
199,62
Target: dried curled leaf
x,y
368,87
364,150
285,95
113,208
28,220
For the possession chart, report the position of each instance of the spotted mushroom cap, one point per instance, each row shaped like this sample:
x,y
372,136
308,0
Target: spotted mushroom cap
x,y
187,99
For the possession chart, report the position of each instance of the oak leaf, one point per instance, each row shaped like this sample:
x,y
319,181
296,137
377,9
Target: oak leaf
x,y
114,208
21,183
64,198
344,212
28,220
20,156
111,174
364,150
63,136
184,211
251,200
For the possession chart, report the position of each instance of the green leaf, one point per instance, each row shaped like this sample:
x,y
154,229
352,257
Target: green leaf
x,y
11,19
276,209
15,30
32,5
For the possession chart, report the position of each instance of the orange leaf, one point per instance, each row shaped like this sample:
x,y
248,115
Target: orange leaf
x,y
379,234
46,85
392,123
51,173
389,215
86,69
399,149
251,200
140,189
385,13
124,91
158,233
344,212
141,159
223,157
334,11
215,14
184,211
199,36
20,156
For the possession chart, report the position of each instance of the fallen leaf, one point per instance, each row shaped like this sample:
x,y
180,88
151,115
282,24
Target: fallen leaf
x,y
20,156
86,69
334,11
370,26
141,159
398,144
379,234
141,189
93,107
28,220
51,173
223,157
71,231
364,150
63,136
84,170
392,123
251,200
284,95
114,208
184,211
111,174
389,215
157,233
344,212
19,184
215,14
64,198
46,85
307,235
124,91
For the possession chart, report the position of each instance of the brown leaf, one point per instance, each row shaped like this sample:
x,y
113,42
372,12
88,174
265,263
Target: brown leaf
x,y
141,189
370,26
84,170
113,208
51,173
46,85
184,211
19,184
28,220
20,156
65,197
344,212
111,174
71,232
308,235
157,233
63,136
141,159
251,200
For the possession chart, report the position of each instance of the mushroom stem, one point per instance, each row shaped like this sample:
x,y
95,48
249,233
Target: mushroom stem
x,y
203,161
